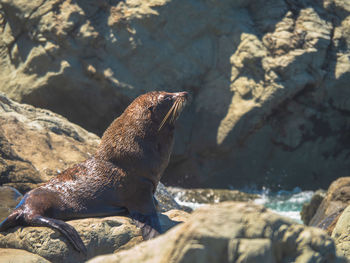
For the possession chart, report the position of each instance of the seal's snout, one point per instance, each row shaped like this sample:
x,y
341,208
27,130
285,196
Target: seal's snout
x,y
182,94
178,100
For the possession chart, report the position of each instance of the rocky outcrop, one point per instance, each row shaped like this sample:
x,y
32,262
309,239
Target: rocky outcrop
x,y
341,234
210,196
166,200
233,232
310,208
9,198
37,144
100,235
334,203
269,79
9,255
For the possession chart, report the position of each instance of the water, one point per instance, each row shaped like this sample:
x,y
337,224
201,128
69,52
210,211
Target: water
x,y
191,205
286,203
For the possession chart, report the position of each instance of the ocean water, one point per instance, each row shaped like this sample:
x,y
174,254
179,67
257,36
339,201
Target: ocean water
x,y
285,203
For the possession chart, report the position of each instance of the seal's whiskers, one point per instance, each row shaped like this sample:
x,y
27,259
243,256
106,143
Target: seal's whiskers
x,y
167,116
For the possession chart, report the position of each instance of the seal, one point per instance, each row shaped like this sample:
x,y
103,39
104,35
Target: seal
x,y
121,177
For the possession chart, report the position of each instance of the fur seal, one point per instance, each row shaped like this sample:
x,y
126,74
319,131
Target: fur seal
x,y
122,176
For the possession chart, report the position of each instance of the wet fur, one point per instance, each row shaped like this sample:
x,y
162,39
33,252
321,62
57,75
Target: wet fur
x,y
121,177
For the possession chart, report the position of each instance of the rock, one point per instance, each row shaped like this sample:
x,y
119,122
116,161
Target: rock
x,y
100,235
9,255
341,234
269,80
233,232
210,196
9,197
37,144
334,203
165,200
309,209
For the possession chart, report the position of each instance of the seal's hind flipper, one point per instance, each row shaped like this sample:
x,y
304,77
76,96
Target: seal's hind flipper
x,y
67,230
149,224
10,221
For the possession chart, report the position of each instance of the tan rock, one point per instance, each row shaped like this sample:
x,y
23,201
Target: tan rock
x,y
269,80
100,236
210,196
309,209
334,203
233,232
9,197
9,255
37,144
341,234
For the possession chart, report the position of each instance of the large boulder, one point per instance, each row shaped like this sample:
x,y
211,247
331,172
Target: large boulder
x,y
36,144
10,255
341,234
233,232
334,203
309,209
100,235
269,79
209,196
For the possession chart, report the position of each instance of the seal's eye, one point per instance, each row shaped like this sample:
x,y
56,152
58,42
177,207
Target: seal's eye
x,y
151,108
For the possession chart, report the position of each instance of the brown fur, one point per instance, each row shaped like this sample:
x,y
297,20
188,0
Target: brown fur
x,y
121,176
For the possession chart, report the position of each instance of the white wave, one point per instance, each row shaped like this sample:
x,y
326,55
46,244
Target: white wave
x,y
285,203
191,205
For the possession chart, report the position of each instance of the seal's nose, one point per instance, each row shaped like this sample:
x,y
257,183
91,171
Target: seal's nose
x,y
182,94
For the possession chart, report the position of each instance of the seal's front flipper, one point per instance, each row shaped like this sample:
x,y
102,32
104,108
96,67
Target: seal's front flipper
x,y
67,230
149,224
156,204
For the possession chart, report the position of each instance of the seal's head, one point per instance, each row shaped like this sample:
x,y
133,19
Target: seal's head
x,y
157,110
148,120
166,108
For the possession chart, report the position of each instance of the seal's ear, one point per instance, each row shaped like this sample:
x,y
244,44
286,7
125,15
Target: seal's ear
x,y
151,108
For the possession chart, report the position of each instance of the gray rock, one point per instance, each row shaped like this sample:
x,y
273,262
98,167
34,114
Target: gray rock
x,y
233,232
100,236
166,200
333,205
269,79
310,208
210,196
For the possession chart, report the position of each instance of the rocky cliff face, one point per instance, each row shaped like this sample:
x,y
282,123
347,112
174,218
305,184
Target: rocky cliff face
x,y
269,79
36,144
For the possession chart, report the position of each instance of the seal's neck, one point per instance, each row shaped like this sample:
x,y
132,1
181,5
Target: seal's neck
x,y
127,141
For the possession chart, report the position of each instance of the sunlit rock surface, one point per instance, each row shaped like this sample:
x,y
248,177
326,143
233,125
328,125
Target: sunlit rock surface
x,y
341,234
233,232
100,236
36,144
268,79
